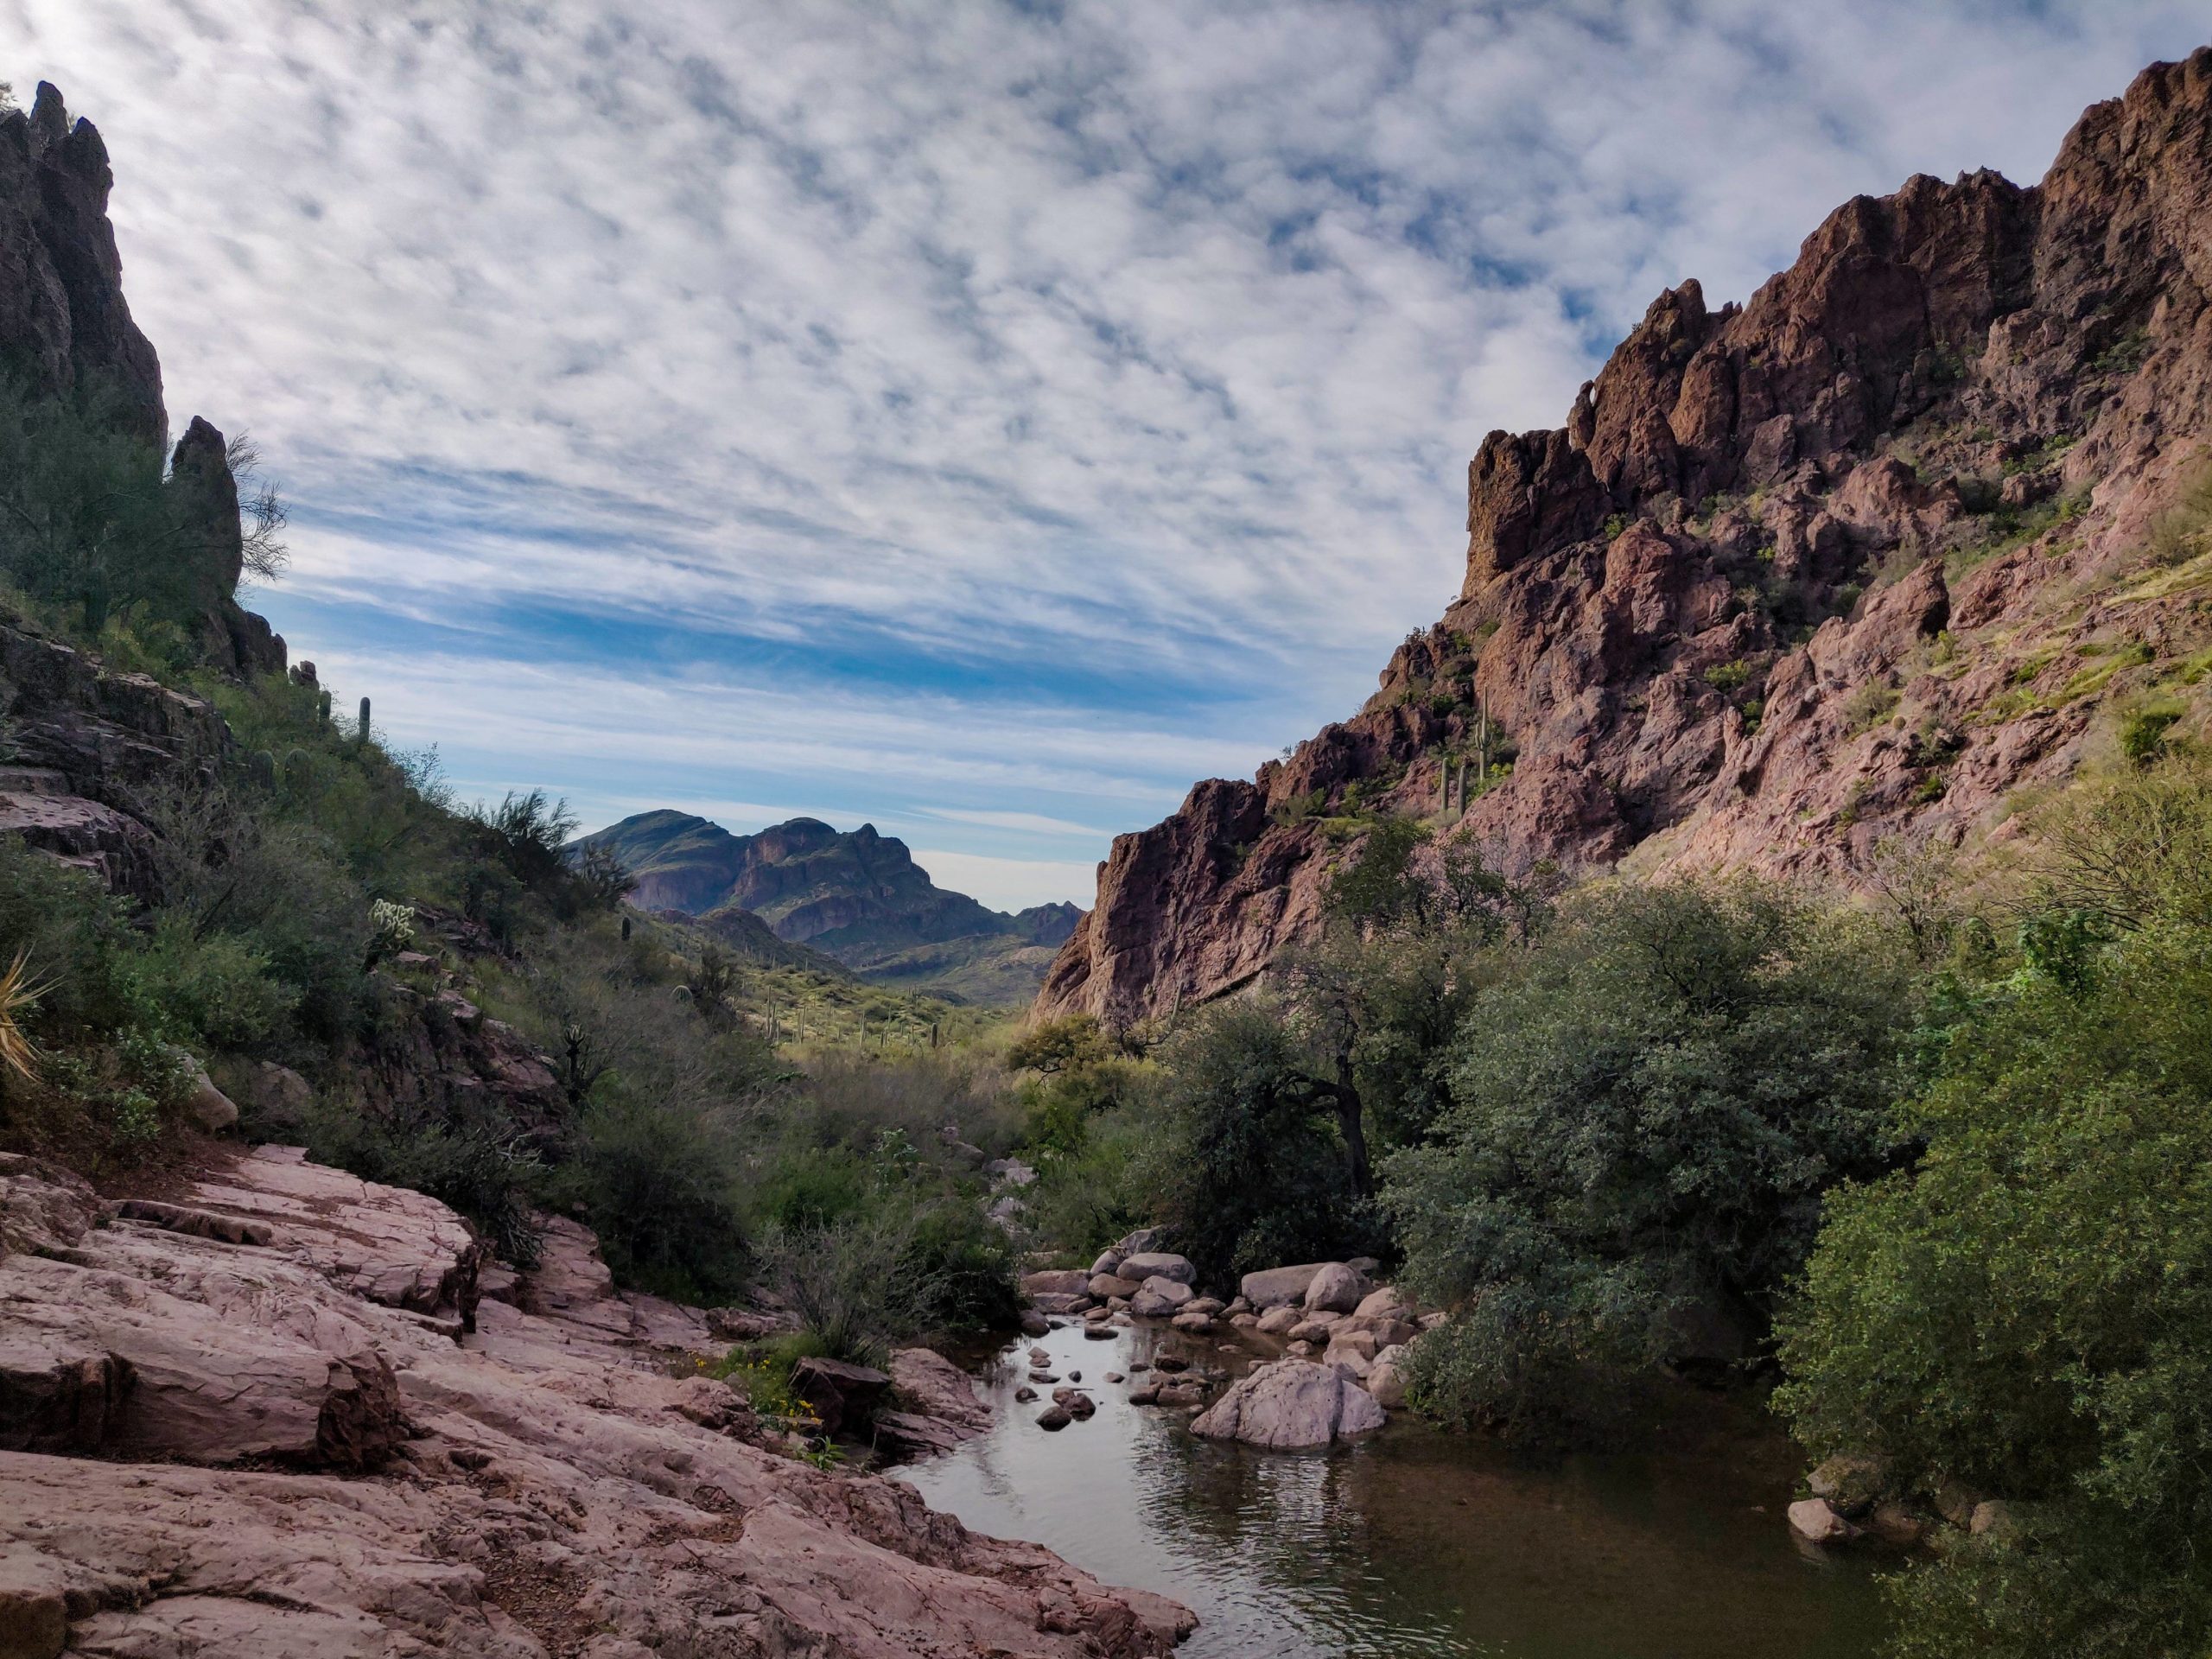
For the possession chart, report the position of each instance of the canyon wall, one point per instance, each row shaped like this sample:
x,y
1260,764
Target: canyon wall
x,y
1857,559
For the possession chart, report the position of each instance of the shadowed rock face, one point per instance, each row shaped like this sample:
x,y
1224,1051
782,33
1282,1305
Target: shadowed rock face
x,y
63,320
65,327
1795,575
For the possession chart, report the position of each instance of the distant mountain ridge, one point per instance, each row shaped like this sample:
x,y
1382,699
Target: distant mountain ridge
x,y
856,896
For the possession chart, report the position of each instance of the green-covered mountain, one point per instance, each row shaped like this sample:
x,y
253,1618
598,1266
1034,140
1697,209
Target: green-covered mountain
x,y
855,896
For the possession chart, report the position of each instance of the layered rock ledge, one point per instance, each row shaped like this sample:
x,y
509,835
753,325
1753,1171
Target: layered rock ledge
x,y
249,1420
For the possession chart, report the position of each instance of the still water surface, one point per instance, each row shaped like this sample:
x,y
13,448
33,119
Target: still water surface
x,y
1411,1543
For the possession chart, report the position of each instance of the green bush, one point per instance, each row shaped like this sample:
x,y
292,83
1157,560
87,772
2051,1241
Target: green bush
x,y
1250,1172
661,1186
2028,1311
216,990
1644,1113
470,1159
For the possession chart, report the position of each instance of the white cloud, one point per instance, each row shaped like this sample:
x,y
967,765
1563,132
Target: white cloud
x,y
974,416
1009,883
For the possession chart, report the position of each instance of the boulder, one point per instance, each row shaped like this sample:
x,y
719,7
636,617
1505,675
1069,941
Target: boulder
x,y
1991,1514
1107,1286
1279,1286
1204,1305
1896,1523
1142,1265
843,1396
932,1386
208,1107
1852,1484
1279,1321
1816,1520
33,1607
1160,1298
1108,1263
1337,1288
1385,1378
1388,1333
1074,1401
1388,1303
1033,1322
1288,1404
1056,1281
1144,1240
1055,1418
1315,1327
1046,1301
1197,1323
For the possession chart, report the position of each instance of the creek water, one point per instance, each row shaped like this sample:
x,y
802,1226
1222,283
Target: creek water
x,y
1410,1542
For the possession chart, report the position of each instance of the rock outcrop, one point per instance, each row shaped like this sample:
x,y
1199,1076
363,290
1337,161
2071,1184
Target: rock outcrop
x,y
1859,556
65,330
246,1418
1291,1404
63,318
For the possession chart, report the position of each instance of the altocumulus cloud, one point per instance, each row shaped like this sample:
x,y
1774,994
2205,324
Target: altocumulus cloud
x,y
983,418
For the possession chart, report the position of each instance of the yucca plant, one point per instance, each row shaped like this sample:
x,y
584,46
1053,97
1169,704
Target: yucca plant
x,y
18,998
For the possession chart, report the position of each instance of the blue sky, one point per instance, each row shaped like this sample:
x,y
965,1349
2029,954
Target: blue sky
x,y
983,419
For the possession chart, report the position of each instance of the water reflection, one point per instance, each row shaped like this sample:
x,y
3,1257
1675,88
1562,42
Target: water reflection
x,y
1412,1543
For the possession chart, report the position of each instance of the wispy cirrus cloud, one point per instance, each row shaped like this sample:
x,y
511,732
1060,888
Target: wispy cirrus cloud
x,y
984,415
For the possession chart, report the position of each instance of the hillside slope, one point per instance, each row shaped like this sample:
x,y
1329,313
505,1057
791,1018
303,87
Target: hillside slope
x,y
857,896
1919,524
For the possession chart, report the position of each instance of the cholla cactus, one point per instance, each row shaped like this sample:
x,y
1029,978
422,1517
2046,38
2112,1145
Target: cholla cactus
x,y
394,924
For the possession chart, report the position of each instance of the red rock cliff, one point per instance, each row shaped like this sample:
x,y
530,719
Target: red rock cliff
x,y
1859,556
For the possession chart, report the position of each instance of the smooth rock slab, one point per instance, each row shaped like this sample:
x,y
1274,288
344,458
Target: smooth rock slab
x,y
1288,1404
1160,1299
1279,1286
1158,1264
1056,1281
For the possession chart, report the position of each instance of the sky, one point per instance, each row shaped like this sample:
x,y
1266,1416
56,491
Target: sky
x,y
978,417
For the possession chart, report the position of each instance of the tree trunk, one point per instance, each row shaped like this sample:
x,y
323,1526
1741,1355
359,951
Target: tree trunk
x,y
1351,1122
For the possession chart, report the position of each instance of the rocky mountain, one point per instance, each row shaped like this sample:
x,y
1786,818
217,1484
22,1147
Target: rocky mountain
x,y
66,328
854,896
1920,523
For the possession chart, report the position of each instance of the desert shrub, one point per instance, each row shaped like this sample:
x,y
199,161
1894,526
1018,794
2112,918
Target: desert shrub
x,y
215,990
1055,1046
1083,1201
470,1158
898,1270
1059,1109
661,1187
806,1188
1644,1114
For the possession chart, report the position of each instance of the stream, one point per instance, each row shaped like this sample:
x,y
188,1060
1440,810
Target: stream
x,y
1413,1542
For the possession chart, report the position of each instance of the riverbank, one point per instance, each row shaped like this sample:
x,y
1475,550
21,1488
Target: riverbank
x,y
1408,1541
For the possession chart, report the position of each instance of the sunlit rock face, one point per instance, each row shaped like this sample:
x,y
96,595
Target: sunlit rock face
x,y
1795,576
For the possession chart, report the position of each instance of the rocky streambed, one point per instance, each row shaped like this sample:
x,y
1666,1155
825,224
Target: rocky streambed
x,y
1400,1541
281,1412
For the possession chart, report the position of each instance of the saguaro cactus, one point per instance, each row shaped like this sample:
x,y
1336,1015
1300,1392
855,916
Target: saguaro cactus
x,y
262,768
362,736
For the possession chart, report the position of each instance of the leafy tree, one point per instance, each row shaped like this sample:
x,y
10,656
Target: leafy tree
x,y
1250,1169
2028,1311
1055,1046
1645,1111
